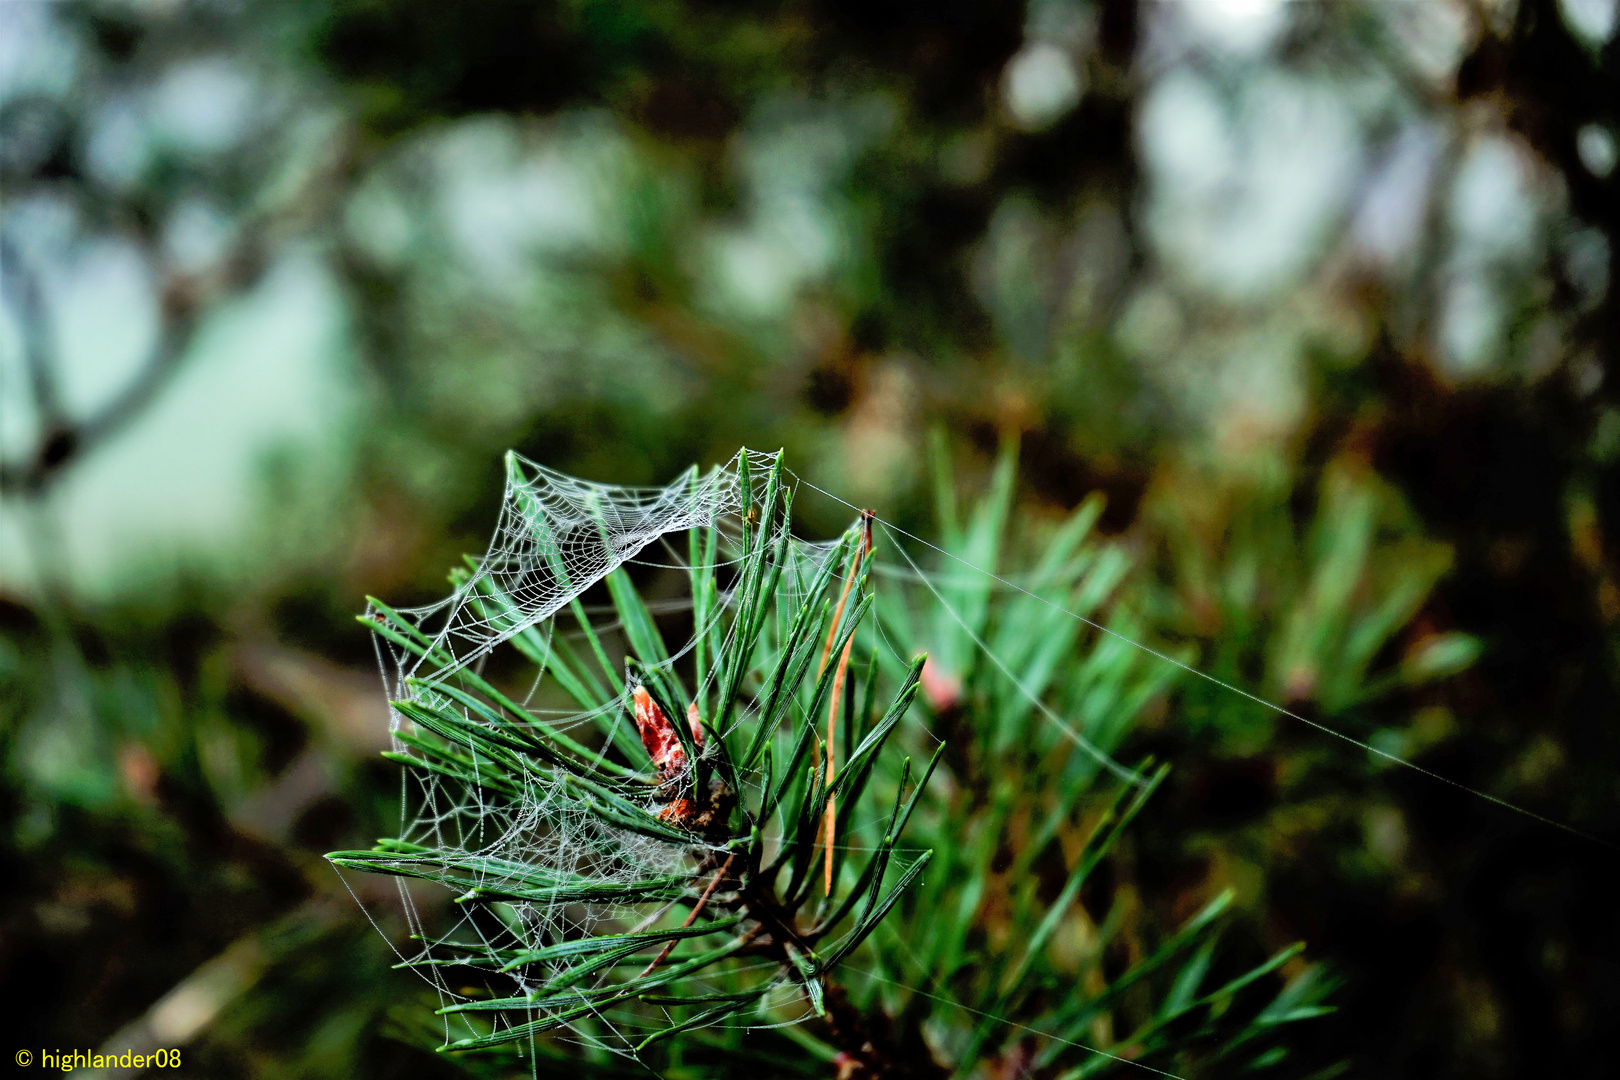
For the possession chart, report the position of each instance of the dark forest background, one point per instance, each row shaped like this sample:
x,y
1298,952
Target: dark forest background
x,y
1319,296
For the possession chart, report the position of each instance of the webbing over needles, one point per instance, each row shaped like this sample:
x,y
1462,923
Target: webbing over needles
x,y
556,537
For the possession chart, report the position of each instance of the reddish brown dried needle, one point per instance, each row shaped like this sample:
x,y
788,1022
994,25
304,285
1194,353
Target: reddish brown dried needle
x,y
831,824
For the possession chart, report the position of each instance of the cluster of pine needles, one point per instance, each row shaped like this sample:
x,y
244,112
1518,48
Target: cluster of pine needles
x,y
769,881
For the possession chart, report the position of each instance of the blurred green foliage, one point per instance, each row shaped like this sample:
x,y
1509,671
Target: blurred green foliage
x,y
1311,306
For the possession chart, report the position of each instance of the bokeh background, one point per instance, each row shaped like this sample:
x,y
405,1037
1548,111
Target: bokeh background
x,y
1320,296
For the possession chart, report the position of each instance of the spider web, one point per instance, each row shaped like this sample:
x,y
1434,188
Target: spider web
x,y
556,537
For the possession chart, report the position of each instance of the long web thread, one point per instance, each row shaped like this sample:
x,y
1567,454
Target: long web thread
x,y
1129,776
1396,759
1022,1027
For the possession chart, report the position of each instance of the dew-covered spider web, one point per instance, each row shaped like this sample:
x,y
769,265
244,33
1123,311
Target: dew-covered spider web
x,y
529,847
556,540
556,537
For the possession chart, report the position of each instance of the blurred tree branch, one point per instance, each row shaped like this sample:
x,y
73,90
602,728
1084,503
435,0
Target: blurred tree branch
x,y
62,438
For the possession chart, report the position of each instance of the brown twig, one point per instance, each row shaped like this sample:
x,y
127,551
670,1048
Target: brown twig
x,y
669,946
184,299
